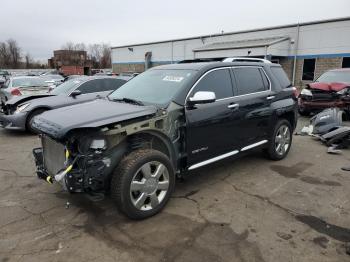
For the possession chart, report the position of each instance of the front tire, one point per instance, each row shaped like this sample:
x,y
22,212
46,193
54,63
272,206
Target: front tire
x,y
30,120
142,183
280,141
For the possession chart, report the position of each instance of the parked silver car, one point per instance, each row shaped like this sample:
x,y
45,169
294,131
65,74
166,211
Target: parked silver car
x,y
53,80
22,85
18,112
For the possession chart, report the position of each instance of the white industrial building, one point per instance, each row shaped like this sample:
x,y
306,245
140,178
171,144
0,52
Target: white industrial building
x,y
305,50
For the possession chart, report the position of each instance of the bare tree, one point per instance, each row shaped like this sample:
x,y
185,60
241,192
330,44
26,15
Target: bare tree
x,y
29,62
68,46
94,53
105,61
15,52
99,54
74,46
5,57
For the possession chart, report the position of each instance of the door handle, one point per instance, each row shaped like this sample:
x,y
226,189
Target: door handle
x,y
270,97
233,106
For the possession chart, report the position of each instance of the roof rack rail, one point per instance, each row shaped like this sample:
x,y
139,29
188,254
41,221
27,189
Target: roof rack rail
x,y
246,59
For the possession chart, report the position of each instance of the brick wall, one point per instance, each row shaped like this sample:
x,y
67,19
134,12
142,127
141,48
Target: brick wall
x,y
119,68
287,65
322,65
325,64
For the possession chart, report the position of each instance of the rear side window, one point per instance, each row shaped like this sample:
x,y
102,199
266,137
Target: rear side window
x,y
250,80
217,81
112,84
281,76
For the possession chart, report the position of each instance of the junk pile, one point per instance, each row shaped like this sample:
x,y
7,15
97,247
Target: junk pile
x,y
328,127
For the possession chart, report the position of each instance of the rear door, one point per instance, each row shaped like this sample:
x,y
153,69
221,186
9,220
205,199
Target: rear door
x,y
111,84
254,98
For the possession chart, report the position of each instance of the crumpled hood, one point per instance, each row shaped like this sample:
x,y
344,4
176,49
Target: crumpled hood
x,y
16,100
331,87
57,123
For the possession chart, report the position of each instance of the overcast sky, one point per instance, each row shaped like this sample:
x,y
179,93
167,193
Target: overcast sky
x,y
40,26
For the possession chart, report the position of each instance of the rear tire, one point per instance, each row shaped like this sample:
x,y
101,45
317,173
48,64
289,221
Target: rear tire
x,y
280,141
30,120
142,183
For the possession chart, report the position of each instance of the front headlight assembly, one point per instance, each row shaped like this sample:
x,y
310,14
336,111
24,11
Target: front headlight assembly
x,y
306,92
20,108
98,144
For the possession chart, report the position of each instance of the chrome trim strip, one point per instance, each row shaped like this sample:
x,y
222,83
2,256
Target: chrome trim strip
x,y
253,145
212,160
231,67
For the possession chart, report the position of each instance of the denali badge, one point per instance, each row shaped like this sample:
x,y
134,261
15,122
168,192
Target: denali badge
x,y
199,150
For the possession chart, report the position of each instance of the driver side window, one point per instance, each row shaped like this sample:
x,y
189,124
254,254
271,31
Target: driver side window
x,y
89,87
217,81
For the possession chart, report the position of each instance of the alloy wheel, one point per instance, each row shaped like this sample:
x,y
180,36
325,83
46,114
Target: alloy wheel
x,y
282,140
149,185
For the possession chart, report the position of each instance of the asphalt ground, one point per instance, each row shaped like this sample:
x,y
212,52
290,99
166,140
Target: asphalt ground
x,y
248,209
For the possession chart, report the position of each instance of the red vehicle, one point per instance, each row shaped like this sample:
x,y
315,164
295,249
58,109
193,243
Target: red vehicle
x,y
331,89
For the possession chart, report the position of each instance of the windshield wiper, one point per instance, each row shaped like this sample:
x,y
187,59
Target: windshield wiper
x,y
129,101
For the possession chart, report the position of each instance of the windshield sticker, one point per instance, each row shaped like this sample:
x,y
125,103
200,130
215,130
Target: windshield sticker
x,y
173,78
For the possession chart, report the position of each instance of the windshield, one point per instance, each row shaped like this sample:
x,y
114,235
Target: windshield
x,y
51,77
66,87
335,76
28,82
157,87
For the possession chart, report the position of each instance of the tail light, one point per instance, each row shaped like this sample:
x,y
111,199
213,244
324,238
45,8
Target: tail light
x,y
16,92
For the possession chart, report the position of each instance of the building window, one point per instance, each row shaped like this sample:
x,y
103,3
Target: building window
x,y
346,62
309,69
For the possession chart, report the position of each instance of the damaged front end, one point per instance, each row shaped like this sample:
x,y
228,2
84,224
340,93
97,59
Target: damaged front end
x,y
81,165
318,96
83,158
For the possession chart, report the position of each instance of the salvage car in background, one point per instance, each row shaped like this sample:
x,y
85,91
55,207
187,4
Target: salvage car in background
x,y
4,74
19,112
53,80
165,122
331,89
22,85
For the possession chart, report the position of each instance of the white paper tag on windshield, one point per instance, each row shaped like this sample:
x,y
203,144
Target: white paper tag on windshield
x,y
173,78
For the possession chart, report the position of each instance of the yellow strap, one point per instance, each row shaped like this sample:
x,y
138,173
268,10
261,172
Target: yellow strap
x,y
49,179
68,169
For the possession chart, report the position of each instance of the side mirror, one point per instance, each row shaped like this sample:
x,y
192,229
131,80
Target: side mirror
x,y
75,93
202,97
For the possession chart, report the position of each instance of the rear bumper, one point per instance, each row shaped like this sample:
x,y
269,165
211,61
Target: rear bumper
x,y
15,121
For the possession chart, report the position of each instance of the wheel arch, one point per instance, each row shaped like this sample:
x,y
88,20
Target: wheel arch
x,y
154,139
30,114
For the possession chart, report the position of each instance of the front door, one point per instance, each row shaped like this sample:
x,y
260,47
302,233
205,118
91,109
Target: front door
x,y
211,127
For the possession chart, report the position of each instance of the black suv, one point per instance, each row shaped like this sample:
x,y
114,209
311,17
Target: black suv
x,y
164,123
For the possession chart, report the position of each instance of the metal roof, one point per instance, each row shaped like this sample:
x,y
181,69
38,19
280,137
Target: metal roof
x,y
240,32
258,42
